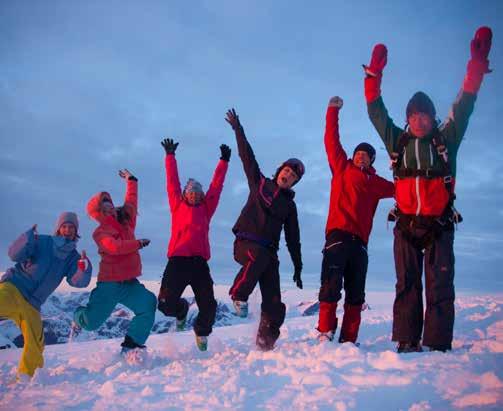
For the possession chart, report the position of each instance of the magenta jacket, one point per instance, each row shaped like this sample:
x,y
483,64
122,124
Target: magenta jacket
x,y
190,225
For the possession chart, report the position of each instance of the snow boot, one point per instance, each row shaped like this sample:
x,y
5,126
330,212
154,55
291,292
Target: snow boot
x,y
241,308
350,323
180,324
267,334
441,347
407,347
326,336
133,353
202,342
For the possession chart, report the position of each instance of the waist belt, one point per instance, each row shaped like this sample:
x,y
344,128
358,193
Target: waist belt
x,y
341,235
255,239
412,172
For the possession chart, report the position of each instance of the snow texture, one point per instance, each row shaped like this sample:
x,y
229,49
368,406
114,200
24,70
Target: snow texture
x,y
300,373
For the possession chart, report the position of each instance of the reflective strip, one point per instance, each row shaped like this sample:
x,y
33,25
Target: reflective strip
x,y
418,166
331,245
431,156
244,273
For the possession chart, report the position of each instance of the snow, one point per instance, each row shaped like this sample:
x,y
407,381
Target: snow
x,y
300,373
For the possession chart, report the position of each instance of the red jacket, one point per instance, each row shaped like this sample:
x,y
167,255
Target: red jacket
x,y
355,192
117,245
190,225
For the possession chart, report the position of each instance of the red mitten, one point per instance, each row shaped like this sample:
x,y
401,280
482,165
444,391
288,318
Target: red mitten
x,y
377,61
374,72
478,64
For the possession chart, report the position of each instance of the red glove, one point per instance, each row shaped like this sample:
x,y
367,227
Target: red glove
x,y
374,72
478,64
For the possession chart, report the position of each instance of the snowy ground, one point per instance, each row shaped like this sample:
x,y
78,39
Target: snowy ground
x,y
299,374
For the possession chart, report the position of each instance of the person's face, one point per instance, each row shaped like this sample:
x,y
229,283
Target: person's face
x,y
420,124
68,231
107,208
286,178
194,198
361,159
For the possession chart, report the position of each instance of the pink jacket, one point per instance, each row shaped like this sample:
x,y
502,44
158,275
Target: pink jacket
x,y
117,245
190,225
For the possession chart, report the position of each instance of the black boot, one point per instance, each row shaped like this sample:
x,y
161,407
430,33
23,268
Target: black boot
x,y
130,344
406,347
267,334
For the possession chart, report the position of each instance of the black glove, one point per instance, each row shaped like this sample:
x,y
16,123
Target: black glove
x,y
225,151
233,119
296,277
144,242
169,145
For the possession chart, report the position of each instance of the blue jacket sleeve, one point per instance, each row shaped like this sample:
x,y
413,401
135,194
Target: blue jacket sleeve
x,y
76,277
23,247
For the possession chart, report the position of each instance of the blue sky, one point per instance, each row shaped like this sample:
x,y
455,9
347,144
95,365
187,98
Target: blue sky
x,y
89,87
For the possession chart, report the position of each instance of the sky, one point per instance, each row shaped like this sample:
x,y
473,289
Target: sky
x,y
87,88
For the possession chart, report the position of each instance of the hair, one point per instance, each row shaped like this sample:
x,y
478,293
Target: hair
x,y
123,214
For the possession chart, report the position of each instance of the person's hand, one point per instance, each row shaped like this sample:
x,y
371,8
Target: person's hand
x,y
126,174
81,264
169,145
336,101
233,119
481,45
296,278
144,242
35,232
225,152
377,61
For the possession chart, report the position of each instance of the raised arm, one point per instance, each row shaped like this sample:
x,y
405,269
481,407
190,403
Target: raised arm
x,y
384,188
131,198
454,127
172,180
217,182
77,274
245,151
23,247
337,157
377,111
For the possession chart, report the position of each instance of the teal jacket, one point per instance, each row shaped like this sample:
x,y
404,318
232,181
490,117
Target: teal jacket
x,y
42,261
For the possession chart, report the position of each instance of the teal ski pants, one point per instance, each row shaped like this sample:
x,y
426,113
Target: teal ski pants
x,y
132,294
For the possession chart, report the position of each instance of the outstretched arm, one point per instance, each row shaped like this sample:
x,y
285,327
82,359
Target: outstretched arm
x,y
131,198
377,111
172,180
337,157
245,151
217,182
454,127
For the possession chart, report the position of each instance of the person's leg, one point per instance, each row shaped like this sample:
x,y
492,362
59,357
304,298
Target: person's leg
x,y
14,307
408,305
254,260
202,285
354,286
102,302
439,273
332,270
272,309
175,278
143,304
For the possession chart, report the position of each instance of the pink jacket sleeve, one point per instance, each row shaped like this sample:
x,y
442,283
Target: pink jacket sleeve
x,y
173,182
337,157
131,200
216,187
114,246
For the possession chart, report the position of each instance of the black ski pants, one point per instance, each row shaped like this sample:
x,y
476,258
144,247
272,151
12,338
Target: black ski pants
x,y
259,264
438,260
178,274
344,264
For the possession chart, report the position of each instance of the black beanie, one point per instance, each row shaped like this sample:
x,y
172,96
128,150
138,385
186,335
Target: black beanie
x,y
371,151
420,103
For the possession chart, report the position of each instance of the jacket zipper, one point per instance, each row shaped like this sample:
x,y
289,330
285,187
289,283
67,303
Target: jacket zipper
x,y
418,165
